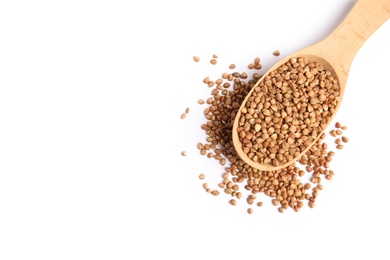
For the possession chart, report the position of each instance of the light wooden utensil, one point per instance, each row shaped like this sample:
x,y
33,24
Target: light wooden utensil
x,y
335,53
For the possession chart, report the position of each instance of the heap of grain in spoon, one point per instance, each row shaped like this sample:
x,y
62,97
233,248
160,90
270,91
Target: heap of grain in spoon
x,y
239,180
286,112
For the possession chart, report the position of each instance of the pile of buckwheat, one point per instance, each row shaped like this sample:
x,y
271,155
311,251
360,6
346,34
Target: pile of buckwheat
x,y
296,103
287,111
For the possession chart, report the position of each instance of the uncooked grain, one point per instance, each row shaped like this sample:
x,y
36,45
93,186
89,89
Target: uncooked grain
x,y
215,192
233,202
289,103
201,102
333,133
283,187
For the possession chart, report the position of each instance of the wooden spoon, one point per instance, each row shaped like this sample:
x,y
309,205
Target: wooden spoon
x,y
335,53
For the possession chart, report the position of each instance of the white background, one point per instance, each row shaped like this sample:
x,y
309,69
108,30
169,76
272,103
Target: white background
x,y
91,94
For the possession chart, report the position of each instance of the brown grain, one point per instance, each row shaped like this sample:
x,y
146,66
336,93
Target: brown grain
x,y
215,192
287,129
283,186
250,200
233,202
201,102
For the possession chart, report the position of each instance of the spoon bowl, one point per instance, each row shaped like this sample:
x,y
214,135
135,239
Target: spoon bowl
x,y
335,54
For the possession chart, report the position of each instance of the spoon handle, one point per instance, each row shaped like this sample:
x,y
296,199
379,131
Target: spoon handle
x,y
363,20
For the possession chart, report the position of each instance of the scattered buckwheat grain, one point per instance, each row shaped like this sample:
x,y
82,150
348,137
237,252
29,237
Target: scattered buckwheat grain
x,y
292,107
